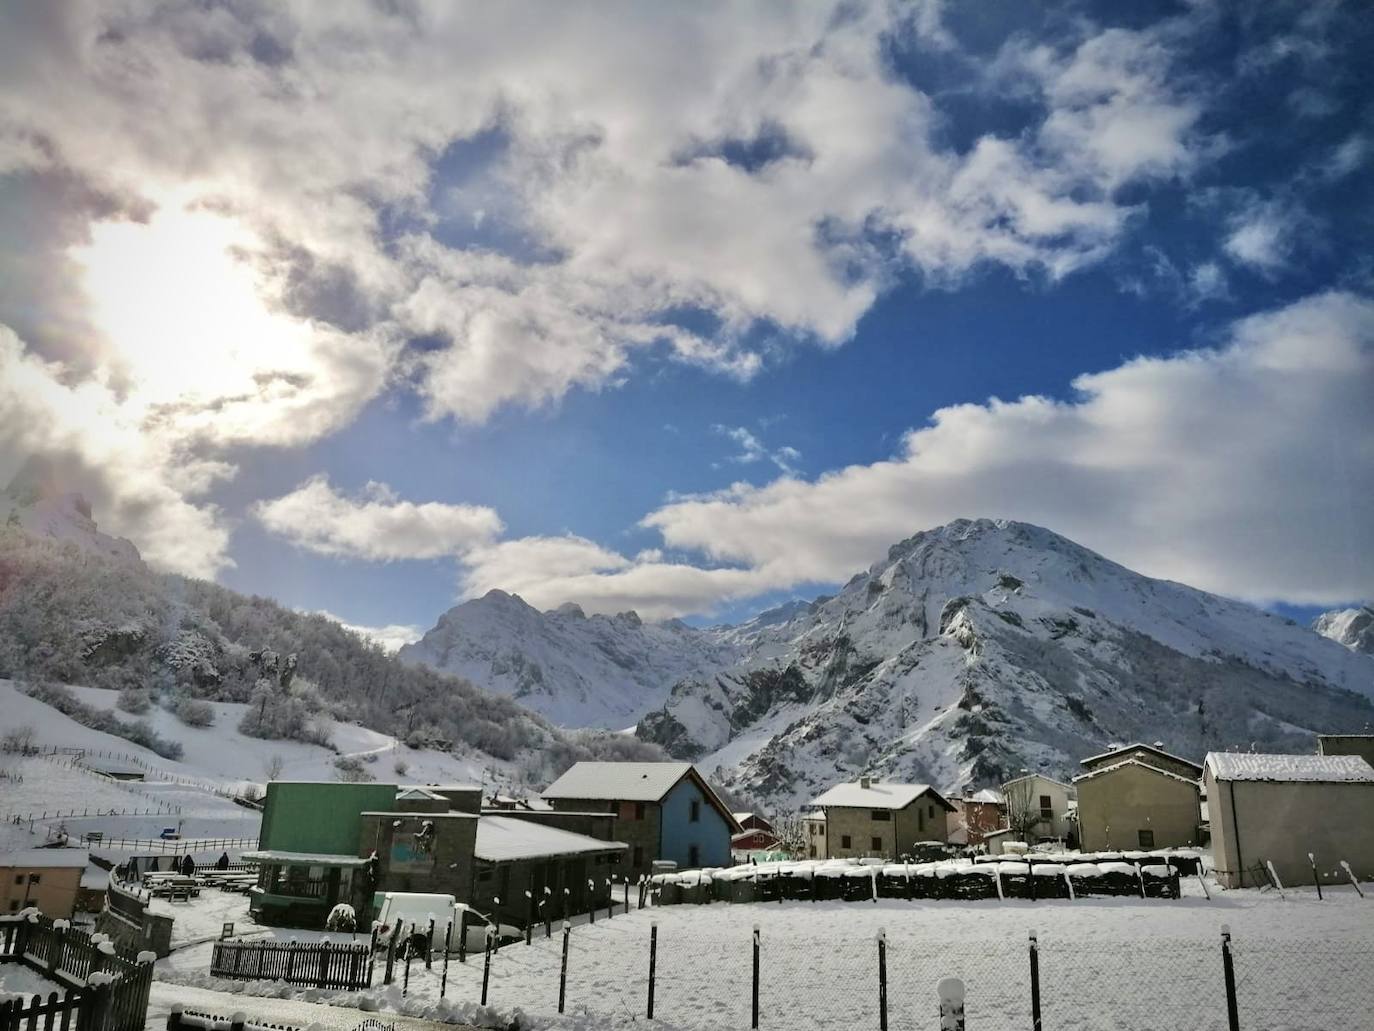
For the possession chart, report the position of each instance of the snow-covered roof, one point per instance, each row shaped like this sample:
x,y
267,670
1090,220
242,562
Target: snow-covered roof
x,y
990,795
878,795
741,817
506,837
414,791
102,764
1101,770
37,858
1138,746
1312,768
819,814
273,855
1035,776
629,782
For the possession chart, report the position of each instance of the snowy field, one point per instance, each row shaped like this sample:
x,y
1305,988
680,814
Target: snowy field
x,y
19,982
1106,965
220,755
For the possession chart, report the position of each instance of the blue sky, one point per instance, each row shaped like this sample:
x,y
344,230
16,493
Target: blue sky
x,y
597,320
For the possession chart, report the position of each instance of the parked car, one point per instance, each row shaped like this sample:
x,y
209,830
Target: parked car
x,y
170,834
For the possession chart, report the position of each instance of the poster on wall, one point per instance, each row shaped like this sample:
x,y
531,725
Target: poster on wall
x,y
412,846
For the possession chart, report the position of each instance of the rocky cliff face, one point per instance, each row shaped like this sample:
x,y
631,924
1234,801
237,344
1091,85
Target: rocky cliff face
x,y
38,502
1353,628
979,648
578,670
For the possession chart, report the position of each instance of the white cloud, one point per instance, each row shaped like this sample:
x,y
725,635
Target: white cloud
x,y
752,450
1263,233
612,181
377,526
1247,470
389,638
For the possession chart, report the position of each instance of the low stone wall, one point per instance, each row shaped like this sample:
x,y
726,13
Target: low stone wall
x,y
127,921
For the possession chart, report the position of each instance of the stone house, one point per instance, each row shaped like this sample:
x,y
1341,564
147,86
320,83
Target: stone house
x,y
665,811
1278,808
1138,797
881,819
1043,804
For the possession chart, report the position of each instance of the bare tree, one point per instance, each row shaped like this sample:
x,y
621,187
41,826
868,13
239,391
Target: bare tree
x,y
274,767
1023,807
20,740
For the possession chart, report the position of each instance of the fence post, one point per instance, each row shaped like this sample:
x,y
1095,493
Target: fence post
x,y
323,978
429,945
390,957
409,951
59,937
1316,878
591,901
173,1018
486,965
448,938
1351,874
237,1021
1229,972
755,1022
563,970
653,965
882,979
1035,982
463,935
951,992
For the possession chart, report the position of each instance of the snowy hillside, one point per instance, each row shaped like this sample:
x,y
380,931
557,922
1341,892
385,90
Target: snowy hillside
x,y
578,670
979,648
1353,628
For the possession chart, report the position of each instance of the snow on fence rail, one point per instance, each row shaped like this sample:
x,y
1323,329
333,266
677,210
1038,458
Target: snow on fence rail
x,y
178,846
182,1019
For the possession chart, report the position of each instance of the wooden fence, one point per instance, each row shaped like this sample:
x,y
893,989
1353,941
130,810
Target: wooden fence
x,y
321,965
107,990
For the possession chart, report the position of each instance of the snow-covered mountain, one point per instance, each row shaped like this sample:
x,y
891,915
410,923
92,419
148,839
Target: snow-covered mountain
x,y
37,501
980,648
1353,628
578,670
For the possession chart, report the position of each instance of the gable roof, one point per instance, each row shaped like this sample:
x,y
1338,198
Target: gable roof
x,y
878,795
507,837
1034,776
1140,746
1102,770
632,782
1305,768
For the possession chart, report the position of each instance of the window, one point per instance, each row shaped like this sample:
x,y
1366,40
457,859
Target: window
x,y
844,841
882,814
639,810
813,851
877,844
695,816
1046,808
920,820
639,855
931,814
34,878
19,878
14,904
1147,838
693,856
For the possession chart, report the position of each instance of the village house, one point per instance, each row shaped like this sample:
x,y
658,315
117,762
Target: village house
x,y
881,819
1347,744
976,816
665,811
1139,797
1040,808
813,831
1278,808
49,878
326,843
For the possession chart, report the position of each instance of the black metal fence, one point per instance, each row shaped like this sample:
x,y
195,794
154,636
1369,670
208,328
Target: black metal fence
x,y
318,964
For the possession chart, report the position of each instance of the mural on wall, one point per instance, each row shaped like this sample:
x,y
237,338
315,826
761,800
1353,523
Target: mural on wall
x,y
412,845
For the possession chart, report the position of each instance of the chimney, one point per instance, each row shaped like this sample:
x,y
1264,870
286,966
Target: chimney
x,y
865,782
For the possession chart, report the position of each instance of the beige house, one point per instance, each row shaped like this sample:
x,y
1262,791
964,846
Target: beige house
x,y
813,833
1044,805
48,878
1138,796
1278,808
880,819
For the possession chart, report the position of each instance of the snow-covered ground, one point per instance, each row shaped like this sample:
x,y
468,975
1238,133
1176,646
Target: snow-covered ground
x,y
1106,965
19,982
220,755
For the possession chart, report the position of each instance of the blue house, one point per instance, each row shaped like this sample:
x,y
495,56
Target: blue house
x,y
664,811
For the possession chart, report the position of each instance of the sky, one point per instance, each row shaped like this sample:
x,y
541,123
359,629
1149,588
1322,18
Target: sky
x,y
372,307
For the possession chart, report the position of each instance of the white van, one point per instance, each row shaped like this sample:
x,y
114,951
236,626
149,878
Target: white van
x,y
416,908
